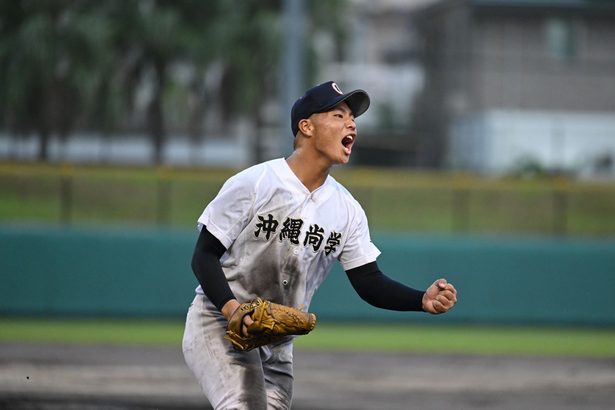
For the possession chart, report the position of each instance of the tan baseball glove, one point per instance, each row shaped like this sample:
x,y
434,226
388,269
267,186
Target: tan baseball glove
x,y
272,323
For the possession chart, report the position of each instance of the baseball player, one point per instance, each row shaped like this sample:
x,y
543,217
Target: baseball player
x,y
273,232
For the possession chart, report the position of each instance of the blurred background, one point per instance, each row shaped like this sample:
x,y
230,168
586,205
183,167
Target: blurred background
x,y
487,155
495,87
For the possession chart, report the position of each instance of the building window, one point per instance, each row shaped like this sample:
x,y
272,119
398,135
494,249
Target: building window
x,y
560,38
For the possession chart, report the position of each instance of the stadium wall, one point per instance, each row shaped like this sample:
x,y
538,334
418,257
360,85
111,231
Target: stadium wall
x,y
51,271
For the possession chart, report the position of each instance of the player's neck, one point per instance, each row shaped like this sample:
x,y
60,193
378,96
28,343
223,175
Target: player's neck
x,y
310,172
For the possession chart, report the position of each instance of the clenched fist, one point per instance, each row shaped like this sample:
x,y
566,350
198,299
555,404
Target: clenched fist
x,y
440,297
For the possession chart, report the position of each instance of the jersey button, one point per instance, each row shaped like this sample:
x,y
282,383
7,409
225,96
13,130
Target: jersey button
x,y
285,283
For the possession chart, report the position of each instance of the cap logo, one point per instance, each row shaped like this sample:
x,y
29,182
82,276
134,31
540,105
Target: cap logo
x,y
336,88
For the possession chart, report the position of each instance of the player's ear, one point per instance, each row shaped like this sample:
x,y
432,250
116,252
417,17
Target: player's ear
x,y
306,127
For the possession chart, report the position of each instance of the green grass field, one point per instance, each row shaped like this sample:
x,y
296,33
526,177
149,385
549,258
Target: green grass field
x,y
395,200
450,339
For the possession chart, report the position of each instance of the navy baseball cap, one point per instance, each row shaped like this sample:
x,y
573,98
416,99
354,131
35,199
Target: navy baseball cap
x,y
322,98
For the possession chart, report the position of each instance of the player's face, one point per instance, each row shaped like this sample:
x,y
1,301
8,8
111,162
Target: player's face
x,y
335,133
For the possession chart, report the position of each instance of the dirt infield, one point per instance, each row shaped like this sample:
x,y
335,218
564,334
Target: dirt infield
x,y
65,376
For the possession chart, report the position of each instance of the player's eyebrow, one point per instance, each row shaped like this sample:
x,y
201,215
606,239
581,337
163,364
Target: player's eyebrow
x,y
342,108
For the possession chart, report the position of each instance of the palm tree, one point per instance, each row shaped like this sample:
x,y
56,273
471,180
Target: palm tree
x,y
71,63
153,36
254,34
49,50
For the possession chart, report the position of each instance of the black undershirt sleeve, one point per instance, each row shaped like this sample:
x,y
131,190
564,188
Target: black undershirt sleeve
x,y
208,270
380,291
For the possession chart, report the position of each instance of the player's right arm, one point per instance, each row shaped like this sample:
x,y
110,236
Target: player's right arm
x,y
208,271
219,225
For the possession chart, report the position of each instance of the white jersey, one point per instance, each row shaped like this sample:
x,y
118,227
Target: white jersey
x,y
281,239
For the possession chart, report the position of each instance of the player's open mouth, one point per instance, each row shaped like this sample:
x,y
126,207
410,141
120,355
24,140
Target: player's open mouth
x,y
347,142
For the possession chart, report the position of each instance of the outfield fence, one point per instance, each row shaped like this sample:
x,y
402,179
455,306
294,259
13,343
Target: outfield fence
x,y
146,272
394,200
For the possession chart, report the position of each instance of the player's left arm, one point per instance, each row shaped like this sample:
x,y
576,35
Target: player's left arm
x,y
379,290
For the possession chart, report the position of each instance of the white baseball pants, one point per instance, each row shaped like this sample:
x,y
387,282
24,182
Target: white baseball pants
x,y
261,379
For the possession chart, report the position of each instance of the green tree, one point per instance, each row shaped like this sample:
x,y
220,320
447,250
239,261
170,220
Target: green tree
x,y
251,69
150,37
80,63
48,51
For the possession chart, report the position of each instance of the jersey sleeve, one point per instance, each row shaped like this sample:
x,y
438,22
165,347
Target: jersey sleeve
x,y
359,248
230,211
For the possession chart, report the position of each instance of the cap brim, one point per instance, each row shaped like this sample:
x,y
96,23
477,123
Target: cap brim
x,y
357,100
